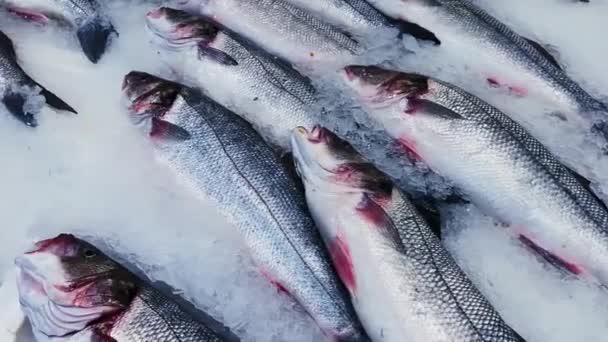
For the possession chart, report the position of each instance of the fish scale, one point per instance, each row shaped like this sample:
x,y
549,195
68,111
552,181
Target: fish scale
x,y
496,164
226,161
406,286
262,89
462,25
152,317
280,28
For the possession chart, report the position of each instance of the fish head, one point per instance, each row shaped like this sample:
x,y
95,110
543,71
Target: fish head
x,y
150,99
65,283
148,96
178,28
328,163
377,86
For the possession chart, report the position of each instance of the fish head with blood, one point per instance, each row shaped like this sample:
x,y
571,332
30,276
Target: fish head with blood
x,y
178,28
330,164
381,87
149,98
66,283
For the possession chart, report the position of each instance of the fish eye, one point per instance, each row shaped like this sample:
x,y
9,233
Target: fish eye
x,y
88,253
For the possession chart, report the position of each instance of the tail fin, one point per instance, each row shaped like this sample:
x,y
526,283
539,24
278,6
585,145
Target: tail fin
x,y
54,101
16,104
416,31
94,37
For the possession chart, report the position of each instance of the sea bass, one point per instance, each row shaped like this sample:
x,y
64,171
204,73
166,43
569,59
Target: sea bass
x,y
269,94
280,28
404,284
71,291
494,162
18,91
223,159
93,28
505,58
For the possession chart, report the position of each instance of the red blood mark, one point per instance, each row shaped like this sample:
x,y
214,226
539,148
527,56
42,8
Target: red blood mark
x,y
372,211
155,13
515,90
62,245
277,284
341,257
160,128
102,331
343,173
550,257
493,82
409,147
518,91
28,15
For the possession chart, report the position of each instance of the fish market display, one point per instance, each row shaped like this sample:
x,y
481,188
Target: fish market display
x,y
280,28
224,159
19,91
93,29
508,59
495,162
269,94
405,286
71,291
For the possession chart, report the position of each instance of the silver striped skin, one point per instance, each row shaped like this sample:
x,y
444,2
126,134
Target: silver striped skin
x,y
72,12
406,286
226,161
463,27
72,297
356,16
280,28
12,75
269,94
151,317
496,163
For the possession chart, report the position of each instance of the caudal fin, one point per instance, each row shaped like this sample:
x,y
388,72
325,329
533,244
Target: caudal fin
x,y
95,36
16,105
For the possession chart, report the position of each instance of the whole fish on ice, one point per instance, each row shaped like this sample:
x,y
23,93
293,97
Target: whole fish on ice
x,y
404,284
18,91
280,28
269,94
505,58
494,162
221,157
71,291
93,28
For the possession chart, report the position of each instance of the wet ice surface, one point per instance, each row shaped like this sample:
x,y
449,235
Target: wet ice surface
x,y
95,175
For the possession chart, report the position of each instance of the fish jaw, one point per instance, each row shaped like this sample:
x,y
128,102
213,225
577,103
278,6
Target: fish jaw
x,y
55,302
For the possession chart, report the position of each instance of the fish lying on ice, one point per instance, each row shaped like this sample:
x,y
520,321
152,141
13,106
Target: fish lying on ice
x,y
269,94
93,28
71,291
280,28
19,91
221,157
404,284
505,58
494,162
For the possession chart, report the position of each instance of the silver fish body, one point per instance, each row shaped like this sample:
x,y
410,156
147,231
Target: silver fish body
x,y
356,16
18,90
404,284
92,27
225,160
280,28
504,57
262,89
71,291
495,162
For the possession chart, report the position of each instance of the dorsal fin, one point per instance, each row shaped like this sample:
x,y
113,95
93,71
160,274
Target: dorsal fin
x,y
541,49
